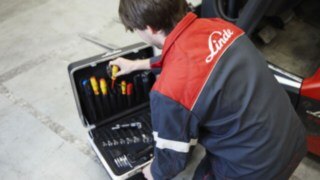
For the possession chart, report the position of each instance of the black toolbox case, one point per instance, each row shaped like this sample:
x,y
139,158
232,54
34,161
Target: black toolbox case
x,y
119,125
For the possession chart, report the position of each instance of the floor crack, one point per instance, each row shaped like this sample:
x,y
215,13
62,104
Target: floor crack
x,y
49,123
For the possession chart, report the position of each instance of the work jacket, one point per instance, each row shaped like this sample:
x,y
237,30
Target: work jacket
x,y
215,89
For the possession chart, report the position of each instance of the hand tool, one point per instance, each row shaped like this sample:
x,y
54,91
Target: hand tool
x,y
135,138
114,71
124,92
117,163
105,99
130,94
115,153
104,144
94,85
128,139
118,160
146,120
123,87
145,137
115,142
123,162
113,101
116,127
121,159
119,98
146,84
118,136
137,88
127,161
108,138
146,152
95,88
127,125
89,104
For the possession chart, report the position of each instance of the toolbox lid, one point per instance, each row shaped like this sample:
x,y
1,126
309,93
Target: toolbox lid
x,y
82,70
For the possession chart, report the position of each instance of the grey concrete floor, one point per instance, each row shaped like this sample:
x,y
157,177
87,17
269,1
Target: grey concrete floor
x,y
41,136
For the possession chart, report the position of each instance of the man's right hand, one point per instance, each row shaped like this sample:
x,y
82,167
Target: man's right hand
x,y
127,66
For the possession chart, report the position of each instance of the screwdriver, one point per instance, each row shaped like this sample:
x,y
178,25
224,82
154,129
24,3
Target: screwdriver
x,y
146,84
138,155
104,90
114,71
123,87
119,97
94,85
129,94
103,86
147,121
89,104
138,88
135,138
115,142
124,92
113,101
95,88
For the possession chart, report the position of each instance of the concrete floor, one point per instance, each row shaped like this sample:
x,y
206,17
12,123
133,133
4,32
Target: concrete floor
x,y
41,136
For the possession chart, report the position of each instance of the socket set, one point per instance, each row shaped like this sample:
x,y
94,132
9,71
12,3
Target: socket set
x,y
128,143
116,110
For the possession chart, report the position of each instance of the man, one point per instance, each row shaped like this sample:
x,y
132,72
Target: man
x,y
214,89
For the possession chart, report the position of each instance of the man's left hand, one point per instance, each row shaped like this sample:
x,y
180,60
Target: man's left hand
x,y
147,172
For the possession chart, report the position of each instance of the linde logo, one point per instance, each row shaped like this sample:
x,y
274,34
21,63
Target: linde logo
x,y
216,41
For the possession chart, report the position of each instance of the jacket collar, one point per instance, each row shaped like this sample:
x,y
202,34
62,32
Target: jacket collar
x,y
175,33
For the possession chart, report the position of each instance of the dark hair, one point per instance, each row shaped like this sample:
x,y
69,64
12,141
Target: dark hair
x,y
158,14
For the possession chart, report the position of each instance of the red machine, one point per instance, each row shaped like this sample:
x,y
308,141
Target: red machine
x,y
305,97
309,110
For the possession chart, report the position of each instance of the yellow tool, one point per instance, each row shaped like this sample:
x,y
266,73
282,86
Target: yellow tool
x,y
123,87
103,86
114,71
94,85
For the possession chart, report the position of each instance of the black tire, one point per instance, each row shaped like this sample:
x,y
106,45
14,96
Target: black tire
x,y
215,8
251,13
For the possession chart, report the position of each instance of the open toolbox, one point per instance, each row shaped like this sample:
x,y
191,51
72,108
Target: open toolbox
x,y
118,118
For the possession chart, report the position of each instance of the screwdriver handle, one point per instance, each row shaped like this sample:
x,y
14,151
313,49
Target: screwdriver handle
x,y
94,85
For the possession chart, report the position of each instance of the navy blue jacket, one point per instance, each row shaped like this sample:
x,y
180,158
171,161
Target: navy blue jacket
x,y
215,89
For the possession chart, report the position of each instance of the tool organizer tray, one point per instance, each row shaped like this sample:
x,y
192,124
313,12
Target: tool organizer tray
x,y
117,117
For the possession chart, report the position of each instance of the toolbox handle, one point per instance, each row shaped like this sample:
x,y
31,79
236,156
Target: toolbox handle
x,y
109,47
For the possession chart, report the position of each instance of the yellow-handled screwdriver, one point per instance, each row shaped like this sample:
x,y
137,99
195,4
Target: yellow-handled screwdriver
x,y
103,86
95,88
105,99
94,85
123,87
114,71
123,93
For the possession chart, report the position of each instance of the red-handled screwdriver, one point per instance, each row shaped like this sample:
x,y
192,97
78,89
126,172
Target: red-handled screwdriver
x,y
129,94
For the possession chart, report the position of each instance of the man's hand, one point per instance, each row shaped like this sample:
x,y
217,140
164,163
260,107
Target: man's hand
x,y
147,172
127,66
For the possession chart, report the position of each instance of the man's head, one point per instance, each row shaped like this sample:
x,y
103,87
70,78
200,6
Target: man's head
x,y
152,18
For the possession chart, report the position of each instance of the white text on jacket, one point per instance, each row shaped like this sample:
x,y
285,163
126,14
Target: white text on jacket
x,y
216,41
